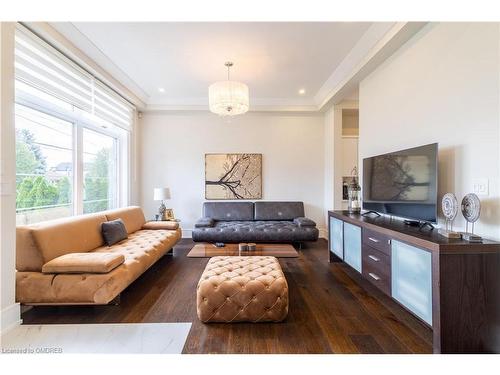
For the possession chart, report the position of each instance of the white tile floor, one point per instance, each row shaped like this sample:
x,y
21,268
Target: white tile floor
x,y
141,338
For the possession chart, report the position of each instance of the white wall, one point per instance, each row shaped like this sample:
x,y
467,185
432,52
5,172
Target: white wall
x,y
442,86
9,310
173,148
329,141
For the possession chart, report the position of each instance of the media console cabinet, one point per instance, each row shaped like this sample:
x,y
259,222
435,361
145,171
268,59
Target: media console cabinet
x,y
452,285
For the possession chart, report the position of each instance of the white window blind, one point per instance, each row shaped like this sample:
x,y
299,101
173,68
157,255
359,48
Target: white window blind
x,y
40,65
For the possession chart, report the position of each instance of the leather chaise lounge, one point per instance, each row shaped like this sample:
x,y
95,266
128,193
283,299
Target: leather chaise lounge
x,y
254,222
94,282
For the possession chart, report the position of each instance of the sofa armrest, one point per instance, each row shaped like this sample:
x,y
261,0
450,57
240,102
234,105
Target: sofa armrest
x,y
84,263
204,222
304,222
168,225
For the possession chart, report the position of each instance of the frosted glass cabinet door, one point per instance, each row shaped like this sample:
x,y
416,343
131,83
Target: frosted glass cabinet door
x,y
336,237
412,279
352,246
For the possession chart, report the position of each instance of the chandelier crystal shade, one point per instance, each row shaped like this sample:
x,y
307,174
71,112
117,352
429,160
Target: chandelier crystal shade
x,y
228,98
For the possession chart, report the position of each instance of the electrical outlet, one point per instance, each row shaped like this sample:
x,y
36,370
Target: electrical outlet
x,y
480,186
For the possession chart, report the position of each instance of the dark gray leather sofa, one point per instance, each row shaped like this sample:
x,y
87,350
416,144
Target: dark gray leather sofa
x,y
254,222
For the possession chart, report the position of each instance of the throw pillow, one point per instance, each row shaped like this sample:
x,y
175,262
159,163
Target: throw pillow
x,y
113,231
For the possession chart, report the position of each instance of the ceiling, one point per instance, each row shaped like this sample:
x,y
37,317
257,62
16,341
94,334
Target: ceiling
x,y
275,60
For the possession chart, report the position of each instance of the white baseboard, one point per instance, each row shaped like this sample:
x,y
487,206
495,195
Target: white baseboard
x,y
10,317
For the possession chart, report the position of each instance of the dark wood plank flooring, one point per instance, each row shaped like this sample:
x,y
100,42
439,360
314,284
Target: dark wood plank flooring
x,y
332,310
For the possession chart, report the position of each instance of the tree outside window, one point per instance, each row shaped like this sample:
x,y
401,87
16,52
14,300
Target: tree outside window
x,y
45,166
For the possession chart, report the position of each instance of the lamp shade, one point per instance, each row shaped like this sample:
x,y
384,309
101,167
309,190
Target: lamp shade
x,y
228,98
161,194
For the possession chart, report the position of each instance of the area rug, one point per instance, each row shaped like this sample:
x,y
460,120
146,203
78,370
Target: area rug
x,y
140,338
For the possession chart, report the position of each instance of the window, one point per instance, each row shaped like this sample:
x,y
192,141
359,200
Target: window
x,y
44,166
72,135
99,171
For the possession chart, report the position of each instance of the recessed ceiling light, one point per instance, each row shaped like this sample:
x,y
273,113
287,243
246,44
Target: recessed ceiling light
x,y
302,91
161,89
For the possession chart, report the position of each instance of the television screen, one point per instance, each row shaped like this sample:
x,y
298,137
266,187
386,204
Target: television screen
x,y
402,183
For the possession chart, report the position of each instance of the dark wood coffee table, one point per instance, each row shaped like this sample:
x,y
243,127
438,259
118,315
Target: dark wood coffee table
x,y
208,250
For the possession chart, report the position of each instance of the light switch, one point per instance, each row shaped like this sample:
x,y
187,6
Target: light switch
x,y
480,186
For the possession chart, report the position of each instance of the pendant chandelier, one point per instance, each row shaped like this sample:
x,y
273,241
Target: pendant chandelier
x,y
228,98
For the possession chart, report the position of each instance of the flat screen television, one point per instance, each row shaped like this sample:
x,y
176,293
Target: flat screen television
x,y
403,183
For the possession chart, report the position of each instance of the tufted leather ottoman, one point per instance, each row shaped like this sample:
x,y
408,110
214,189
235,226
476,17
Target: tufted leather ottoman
x,y
242,289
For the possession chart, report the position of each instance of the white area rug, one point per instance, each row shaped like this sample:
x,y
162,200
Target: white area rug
x,y
141,338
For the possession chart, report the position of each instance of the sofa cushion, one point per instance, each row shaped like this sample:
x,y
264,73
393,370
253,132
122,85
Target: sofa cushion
x,y
304,222
204,222
168,225
142,243
132,216
113,231
278,210
77,234
255,231
229,211
84,263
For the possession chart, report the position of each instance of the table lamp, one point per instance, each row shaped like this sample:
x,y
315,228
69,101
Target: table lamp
x,y
162,194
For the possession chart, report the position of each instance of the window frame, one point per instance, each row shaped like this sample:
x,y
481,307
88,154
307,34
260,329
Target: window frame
x,y
81,120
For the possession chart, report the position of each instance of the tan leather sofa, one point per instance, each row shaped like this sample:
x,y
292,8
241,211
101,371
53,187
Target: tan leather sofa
x,y
40,243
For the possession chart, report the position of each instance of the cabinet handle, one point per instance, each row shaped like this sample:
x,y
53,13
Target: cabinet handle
x,y
373,276
372,257
373,239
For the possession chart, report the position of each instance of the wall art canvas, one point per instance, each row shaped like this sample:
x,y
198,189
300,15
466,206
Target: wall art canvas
x,y
233,176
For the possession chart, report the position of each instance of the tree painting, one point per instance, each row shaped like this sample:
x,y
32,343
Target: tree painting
x,y
233,176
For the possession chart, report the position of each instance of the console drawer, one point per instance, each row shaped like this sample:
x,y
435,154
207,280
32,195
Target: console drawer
x,y
382,281
377,268
377,240
377,258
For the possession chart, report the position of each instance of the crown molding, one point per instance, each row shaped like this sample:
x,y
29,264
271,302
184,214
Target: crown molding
x,y
256,105
379,42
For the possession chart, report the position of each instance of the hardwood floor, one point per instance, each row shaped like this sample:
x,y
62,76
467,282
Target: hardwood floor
x,y
332,310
